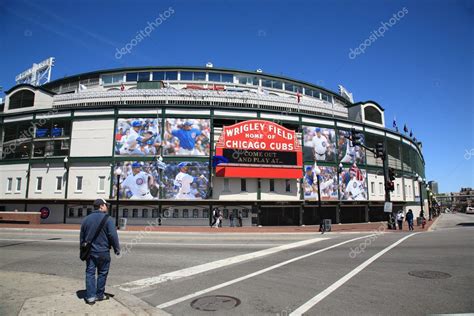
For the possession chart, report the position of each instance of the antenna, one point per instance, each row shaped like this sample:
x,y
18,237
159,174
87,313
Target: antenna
x,y
39,74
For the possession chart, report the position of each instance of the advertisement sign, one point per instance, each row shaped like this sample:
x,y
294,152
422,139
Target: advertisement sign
x,y
319,143
348,153
186,181
352,184
259,149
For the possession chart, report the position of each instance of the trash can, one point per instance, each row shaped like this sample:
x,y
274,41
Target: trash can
x,y
327,224
419,220
122,223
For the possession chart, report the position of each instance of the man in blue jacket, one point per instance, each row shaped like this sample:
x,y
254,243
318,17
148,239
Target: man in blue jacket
x,y
100,251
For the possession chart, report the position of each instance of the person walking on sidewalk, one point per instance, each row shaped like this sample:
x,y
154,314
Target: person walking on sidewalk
x,y
400,220
409,220
231,219
99,259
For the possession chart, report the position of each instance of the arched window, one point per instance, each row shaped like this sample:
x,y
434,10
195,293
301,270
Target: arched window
x,y
21,99
373,114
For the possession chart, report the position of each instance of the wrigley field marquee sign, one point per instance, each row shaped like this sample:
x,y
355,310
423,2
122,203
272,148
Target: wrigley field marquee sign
x,y
259,149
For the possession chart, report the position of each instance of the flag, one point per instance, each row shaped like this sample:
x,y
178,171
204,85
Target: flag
x,y
405,129
298,96
122,87
411,133
216,160
357,172
394,122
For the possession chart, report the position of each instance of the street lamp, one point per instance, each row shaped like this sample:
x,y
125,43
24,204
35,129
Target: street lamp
x,y
429,194
420,181
118,173
65,161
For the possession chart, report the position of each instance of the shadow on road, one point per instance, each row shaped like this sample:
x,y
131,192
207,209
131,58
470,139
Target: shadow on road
x,y
466,224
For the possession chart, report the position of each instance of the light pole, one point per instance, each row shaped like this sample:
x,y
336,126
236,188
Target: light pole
x,y
421,181
118,173
428,193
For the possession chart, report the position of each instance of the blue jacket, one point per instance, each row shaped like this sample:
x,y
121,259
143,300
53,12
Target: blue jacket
x,y
106,239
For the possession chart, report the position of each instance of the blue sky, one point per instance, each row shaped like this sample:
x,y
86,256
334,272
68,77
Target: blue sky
x,y
420,71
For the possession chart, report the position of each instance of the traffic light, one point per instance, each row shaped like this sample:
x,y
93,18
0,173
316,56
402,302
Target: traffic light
x,y
390,186
379,150
356,137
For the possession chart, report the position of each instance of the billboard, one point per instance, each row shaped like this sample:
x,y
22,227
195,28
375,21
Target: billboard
x,y
353,184
138,181
137,137
186,180
319,143
259,149
348,153
186,137
327,183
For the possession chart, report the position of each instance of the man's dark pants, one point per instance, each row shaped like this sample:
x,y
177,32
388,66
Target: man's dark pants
x,y
99,262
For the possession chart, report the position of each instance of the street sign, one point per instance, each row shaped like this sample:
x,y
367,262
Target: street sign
x,y
387,208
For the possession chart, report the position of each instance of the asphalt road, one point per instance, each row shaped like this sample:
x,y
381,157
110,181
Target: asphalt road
x,y
387,273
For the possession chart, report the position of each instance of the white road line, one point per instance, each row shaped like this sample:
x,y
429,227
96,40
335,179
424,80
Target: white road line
x,y
144,284
315,300
248,276
145,243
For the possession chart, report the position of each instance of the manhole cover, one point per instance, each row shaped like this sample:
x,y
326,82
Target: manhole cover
x,y
426,274
215,303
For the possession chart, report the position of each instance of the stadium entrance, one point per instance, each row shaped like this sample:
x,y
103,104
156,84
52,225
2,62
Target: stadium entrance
x,y
279,215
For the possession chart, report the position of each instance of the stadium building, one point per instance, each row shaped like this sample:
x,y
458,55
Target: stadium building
x,y
182,141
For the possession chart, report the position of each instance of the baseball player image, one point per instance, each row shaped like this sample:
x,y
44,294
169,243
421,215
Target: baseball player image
x,y
326,183
320,145
310,183
138,183
132,142
355,188
184,139
183,183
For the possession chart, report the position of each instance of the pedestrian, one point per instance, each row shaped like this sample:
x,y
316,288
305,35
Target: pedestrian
x,y
239,218
231,219
98,224
215,216
423,222
409,220
221,216
400,220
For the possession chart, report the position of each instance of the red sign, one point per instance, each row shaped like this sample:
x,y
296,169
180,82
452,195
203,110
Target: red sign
x,y
259,149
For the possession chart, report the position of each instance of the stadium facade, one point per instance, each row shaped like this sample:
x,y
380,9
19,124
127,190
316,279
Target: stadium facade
x,y
184,140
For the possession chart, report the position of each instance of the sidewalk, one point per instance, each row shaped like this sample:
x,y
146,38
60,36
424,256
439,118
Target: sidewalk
x,y
26,293
357,227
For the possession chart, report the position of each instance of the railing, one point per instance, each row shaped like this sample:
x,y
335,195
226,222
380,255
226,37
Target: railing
x,y
216,99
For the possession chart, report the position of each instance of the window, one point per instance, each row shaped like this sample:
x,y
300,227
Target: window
x,y
111,79
220,77
195,213
9,184
272,84
78,184
71,212
22,99
193,76
398,189
79,212
373,114
39,184
131,76
135,213
293,88
381,191
226,185
272,185
243,185
245,213
59,183
287,185
185,213
248,80
165,75
175,213
372,188
145,213
101,184
226,213
125,212
205,213
18,184
154,213
325,97
143,76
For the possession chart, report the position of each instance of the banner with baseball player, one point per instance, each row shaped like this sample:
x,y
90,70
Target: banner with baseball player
x,y
139,181
186,180
137,137
327,183
186,137
319,143
348,153
353,184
